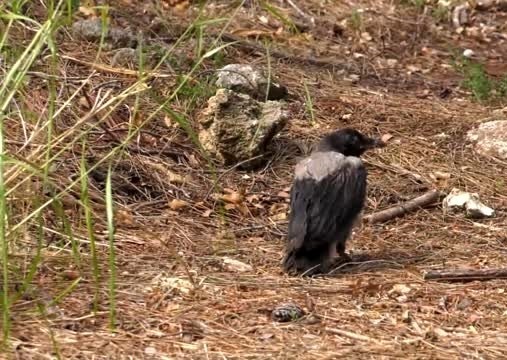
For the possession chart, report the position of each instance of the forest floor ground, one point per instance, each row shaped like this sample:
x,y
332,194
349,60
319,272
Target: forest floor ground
x,y
383,67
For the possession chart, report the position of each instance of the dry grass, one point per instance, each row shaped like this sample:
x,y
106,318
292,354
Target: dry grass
x,y
381,309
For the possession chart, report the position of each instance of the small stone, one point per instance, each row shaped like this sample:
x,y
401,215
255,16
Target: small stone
x,y
150,350
247,79
440,332
468,53
391,63
490,138
125,56
460,16
406,317
464,304
94,30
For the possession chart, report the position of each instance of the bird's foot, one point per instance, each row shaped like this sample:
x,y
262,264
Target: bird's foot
x,y
345,258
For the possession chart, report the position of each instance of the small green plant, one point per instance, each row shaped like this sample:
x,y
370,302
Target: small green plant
x,y
309,105
440,13
277,14
502,87
477,81
195,92
419,4
356,20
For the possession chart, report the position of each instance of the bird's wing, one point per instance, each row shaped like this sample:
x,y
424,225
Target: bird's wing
x,y
328,193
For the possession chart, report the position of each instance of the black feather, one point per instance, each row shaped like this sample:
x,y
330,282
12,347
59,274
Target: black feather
x,y
323,213
327,196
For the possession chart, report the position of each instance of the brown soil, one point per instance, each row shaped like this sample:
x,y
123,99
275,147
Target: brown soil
x,y
403,83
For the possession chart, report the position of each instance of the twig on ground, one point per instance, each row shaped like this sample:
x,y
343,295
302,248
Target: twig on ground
x,y
399,210
280,54
301,12
466,275
350,335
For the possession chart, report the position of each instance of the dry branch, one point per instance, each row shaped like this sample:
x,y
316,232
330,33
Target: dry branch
x,y
329,62
350,335
466,275
398,210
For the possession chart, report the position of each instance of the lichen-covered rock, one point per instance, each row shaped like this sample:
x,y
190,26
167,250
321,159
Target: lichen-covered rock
x,y
236,128
114,37
124,57
250,80
287,312
490,138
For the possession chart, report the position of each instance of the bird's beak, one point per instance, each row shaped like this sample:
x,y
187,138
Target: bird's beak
x,y
375,143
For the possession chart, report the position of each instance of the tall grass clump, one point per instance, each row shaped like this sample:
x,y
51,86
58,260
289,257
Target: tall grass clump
x,y
46,143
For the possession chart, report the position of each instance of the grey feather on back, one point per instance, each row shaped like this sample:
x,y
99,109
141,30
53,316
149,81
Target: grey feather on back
x,y
328,194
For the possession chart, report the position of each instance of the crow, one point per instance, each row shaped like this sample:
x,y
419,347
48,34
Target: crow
x,y
326,198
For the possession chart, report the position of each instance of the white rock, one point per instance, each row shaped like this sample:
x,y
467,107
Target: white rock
x,y
458,200
150,350
468,53
490,138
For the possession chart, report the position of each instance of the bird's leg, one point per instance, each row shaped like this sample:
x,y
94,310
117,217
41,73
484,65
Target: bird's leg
x,y
340,248
333,251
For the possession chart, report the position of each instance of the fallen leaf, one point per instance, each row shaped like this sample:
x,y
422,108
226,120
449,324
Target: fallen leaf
x,y
406,317
386,137
278,207
207,213
284,194
400,289
150,350
173,284
266,336
192,160
252,33
177,204
440,332
243,209
87,11
413,68
279,217
230,206
236,265
442,175
124,217
175,178
70,275
233,198
252,198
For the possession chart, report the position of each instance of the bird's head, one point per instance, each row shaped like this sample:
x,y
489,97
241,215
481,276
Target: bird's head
x,y
348,142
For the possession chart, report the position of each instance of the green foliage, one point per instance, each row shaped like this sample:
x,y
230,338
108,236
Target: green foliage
x,y
356,20
309,105
278,15
475,79
419,4
194,92
440,13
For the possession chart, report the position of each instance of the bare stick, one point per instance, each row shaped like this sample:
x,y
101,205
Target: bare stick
x,y
300,12
466,274
398,210
350,335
